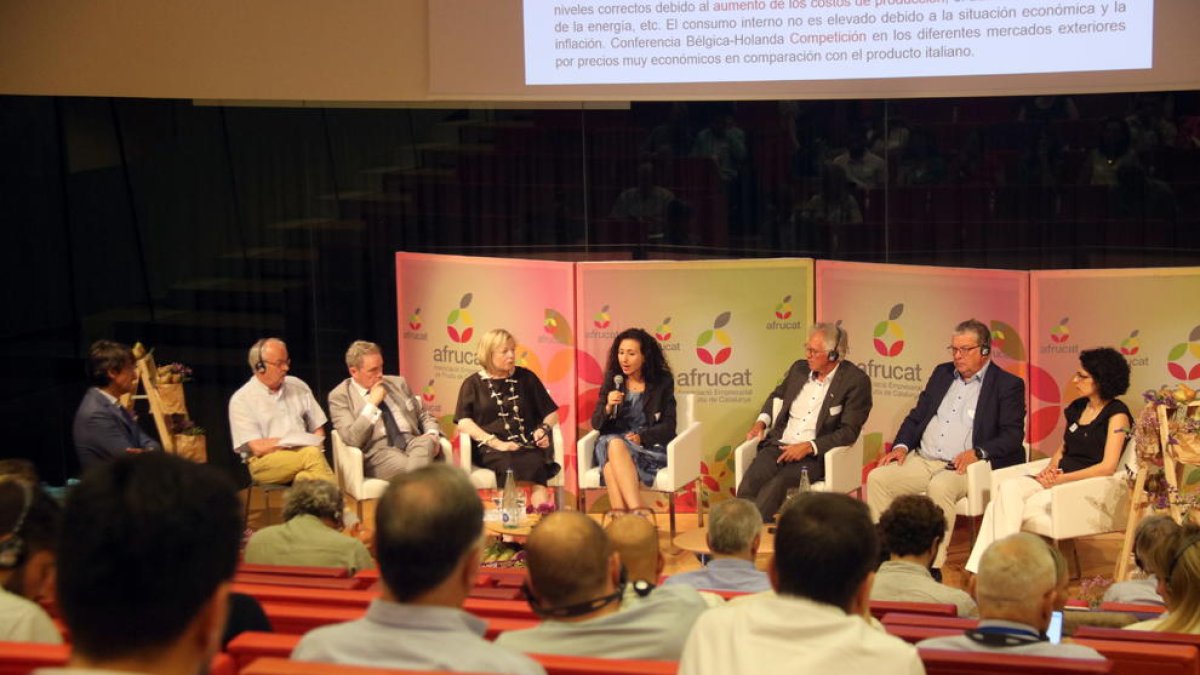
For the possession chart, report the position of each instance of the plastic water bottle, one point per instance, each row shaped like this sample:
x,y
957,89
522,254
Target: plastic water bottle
x,y
805,483
510,516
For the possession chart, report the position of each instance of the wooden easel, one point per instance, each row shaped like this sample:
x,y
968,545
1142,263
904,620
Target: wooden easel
x,y
148,379
1139,501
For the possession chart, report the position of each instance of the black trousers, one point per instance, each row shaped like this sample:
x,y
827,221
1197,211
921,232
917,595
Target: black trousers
x,y
766,482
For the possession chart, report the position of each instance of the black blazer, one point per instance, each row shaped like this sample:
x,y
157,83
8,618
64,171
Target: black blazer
x,y
843,412
999,425
658,403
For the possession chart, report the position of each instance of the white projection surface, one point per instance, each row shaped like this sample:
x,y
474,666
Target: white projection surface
x,y
572,42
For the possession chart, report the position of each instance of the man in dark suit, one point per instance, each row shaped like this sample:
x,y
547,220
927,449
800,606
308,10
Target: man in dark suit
x,y
971,410
103,429
379,414
826,401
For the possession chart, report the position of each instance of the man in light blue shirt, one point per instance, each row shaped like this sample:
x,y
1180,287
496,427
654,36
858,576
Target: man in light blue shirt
x,y
734,533
428,539
971,410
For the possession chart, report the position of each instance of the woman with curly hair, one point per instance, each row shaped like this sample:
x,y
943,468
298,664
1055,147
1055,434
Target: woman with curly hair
x,y
635,415
1092,444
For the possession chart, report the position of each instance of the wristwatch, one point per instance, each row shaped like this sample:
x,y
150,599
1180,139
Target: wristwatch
x,y
981,454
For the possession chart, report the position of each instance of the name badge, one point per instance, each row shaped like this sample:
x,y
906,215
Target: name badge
x,y
971,413
835,410
1073,427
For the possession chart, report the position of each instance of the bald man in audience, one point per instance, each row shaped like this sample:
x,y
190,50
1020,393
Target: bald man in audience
x,y
145,565
429,539
734,534
576,585
1017,591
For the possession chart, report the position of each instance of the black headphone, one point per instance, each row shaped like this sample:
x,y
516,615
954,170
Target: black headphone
x,y
835,353
985,344
641,587
1183,548
258,364
12,548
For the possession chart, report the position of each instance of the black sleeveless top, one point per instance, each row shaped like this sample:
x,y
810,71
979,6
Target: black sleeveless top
x,y
1084,443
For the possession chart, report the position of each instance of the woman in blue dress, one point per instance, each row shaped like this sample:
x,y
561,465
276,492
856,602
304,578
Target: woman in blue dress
x,y
635,415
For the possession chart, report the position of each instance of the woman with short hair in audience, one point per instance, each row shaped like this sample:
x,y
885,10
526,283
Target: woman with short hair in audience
x,y
509,415
1177,565
636,418
1097,427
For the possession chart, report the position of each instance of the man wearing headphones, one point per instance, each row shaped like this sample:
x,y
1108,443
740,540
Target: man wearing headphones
x,y
969,411
29,525
826,400
275,422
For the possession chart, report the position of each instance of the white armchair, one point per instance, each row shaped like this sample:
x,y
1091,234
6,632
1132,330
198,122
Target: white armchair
x,y
348,466
979,491
1080,508
683,458
843,464
485,479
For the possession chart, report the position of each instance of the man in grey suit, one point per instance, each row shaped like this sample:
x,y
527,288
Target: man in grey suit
x,y
103,429
379,414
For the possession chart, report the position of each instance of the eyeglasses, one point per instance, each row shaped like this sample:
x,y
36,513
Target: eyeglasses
x,y
1081,376
279,364
961,351
641,512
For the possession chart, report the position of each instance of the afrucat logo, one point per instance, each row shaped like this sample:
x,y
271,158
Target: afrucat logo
x,y
714,346
663,330
1061,333
427,394
459,325
557,326
1183,361
889,334
414,320
783,310
1131,345
602,319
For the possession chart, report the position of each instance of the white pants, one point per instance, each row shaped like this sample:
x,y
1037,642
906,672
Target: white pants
x,y
1017,498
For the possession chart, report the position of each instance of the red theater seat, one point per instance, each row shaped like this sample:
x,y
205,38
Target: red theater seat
x,y
880,607
1131,608
295,619
586,665
941,662
1142,658
902,618
1121,635
343,584
914,634
276,666
18,658
297,571
308,596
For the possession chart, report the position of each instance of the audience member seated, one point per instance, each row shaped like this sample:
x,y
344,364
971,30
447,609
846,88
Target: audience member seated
x,y
1177,566
636,540
1016,593
1151,534
1096,424
645,203
276,424
1150,125
734,533
1113,150
29,525
429,527
588,606
825,551
863,167
912,529
145,567
104,429
311,532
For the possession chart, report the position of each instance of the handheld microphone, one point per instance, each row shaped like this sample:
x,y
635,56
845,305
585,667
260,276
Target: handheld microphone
x,y
618,383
